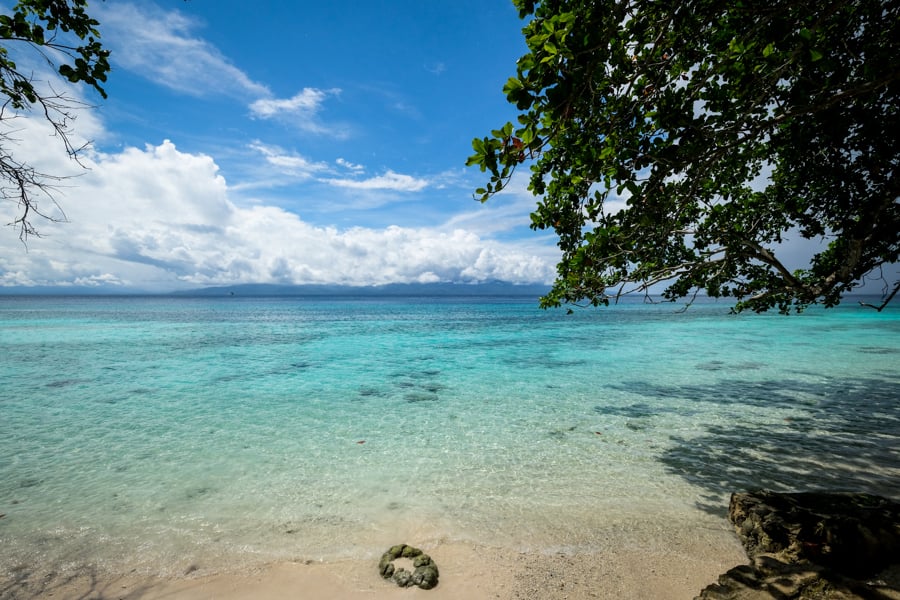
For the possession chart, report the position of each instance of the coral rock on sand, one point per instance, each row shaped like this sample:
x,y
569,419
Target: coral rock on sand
x,y
424,575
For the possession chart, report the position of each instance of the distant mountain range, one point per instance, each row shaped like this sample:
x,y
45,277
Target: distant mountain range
x,y
393,289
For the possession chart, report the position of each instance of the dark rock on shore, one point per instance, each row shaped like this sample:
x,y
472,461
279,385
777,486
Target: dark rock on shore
x,y
425,574
813,545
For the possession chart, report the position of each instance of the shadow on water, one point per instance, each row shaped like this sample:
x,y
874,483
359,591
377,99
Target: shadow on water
x,y
842,435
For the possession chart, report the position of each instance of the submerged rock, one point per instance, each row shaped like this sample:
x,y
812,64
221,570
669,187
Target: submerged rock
x,y
812,545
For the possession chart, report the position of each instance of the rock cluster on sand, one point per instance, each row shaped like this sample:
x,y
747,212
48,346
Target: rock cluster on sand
x,y
813,545
424,575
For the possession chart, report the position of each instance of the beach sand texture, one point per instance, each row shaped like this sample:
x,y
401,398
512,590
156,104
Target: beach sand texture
x,y
467,572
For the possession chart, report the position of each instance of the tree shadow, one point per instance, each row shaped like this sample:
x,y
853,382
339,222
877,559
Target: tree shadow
x,y
84,582
847,439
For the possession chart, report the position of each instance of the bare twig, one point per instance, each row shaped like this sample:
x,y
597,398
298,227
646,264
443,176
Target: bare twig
x,y
880,307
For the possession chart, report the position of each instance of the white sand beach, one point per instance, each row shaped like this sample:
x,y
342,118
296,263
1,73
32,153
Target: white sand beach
x,y
471,572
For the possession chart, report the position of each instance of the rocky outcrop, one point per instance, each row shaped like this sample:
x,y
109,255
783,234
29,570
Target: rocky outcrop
x,y
813,545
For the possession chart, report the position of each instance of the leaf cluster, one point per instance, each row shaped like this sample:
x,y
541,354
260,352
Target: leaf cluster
x,y
682,144
40,23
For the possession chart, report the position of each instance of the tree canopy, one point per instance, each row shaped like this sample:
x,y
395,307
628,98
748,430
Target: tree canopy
x,y
682,144
66,39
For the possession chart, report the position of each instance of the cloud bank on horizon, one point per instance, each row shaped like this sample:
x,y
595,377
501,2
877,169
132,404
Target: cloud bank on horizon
x,y
160,218
202,175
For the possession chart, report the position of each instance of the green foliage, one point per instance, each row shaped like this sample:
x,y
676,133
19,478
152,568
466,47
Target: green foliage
x,y
66,37
681,143
52,24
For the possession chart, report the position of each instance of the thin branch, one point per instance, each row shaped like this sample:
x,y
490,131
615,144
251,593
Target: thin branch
x,y
22,183
887,300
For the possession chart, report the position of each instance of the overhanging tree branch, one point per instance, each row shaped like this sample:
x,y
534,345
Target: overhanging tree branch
x,y
736,123
66,38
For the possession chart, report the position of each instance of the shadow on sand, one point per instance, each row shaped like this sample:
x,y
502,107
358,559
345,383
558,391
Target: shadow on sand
x,y
84,582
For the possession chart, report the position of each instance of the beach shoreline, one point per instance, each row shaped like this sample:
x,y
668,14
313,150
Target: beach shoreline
x,y
242,449
663,572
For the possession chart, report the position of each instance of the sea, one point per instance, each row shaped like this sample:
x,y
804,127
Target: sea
x,y
144,433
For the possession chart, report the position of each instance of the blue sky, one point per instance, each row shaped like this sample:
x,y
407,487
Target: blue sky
x,y
285,142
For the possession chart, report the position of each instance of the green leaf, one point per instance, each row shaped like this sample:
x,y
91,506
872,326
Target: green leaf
x,y
512,84
526,135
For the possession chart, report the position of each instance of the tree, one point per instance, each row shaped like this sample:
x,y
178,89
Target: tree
x,y
64,36
681,143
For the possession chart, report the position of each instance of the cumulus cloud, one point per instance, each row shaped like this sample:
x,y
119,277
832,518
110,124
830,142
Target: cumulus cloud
x,y
157,218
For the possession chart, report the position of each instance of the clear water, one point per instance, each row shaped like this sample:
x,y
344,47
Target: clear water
x,y
137,433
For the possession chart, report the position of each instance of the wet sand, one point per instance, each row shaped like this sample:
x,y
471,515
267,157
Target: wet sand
x,y
662,572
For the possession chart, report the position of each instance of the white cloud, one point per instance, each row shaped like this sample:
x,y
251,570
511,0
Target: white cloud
x,y
105,279
301,111
290,163
306,102
349,165
497,215
158,218
389,181
161,46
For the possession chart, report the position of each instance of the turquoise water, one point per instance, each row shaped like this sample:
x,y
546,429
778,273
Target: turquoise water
x,y
140,432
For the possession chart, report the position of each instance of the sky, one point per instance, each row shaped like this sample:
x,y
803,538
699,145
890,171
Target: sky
x,y
283,142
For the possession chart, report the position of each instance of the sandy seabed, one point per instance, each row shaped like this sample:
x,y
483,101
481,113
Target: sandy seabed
x,y
661,572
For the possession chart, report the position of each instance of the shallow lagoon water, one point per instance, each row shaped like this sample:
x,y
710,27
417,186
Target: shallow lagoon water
x,y
143,432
